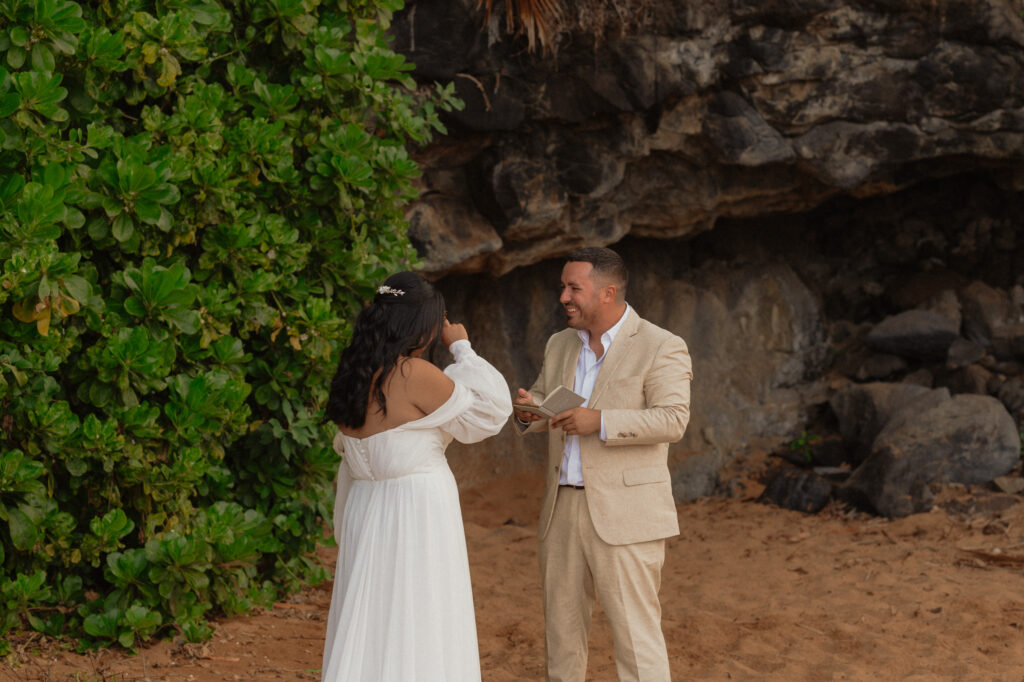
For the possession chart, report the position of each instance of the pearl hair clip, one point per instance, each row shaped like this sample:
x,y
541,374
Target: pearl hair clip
x,y
385,289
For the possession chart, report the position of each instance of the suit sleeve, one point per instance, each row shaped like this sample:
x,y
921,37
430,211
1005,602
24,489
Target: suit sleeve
x,y
667,396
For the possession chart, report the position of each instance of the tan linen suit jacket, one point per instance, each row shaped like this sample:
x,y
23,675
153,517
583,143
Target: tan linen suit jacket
x,y
643,392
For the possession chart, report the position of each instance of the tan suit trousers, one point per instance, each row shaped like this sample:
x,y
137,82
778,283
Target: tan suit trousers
x,y
577,567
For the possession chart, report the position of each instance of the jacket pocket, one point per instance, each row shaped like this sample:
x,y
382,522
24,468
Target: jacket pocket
x,y
645,475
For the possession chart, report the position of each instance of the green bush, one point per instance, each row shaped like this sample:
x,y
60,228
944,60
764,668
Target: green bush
x,y
195,196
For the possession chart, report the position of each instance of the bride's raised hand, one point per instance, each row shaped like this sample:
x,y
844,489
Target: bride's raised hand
x,y
451,333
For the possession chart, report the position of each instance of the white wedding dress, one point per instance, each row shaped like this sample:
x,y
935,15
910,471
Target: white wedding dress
x,y
402,606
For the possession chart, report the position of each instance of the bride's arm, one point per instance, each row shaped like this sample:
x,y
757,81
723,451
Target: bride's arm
x,y
491,402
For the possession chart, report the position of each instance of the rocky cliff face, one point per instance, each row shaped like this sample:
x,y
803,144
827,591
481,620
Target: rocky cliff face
x,y
704,111
783,312
780,176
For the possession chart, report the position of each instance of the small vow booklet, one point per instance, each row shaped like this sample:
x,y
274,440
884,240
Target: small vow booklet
x,y
560,400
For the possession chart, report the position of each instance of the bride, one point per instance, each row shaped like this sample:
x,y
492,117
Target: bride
x,y
402,606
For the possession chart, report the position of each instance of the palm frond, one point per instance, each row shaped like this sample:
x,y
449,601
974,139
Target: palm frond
x,y
536,18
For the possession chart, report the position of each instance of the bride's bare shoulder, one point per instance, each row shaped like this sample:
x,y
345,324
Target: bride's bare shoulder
x,y
427,386
423,373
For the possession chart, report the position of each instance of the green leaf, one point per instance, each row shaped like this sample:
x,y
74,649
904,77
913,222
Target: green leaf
x,y
41,92
19,35
148,212
114,525
38,210
10,187
98,229
54,175
24,533
99,136
67,17
162,194
77,287
142,620
9,103
102,625
127,568
16,57
77,467
134,306
42,58
99,394
123,227
186,321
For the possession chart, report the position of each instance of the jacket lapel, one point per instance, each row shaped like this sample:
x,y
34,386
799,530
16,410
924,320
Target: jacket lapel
x,y
621,348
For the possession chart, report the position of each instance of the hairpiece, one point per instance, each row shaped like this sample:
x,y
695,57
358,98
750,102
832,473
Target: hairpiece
x,y
385,289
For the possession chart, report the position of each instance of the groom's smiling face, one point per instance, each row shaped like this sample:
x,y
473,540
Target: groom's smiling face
x,y
581,297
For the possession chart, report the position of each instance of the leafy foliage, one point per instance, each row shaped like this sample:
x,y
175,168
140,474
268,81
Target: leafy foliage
x,y
802,446
195,196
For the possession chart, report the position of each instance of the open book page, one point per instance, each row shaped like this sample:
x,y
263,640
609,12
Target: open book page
x,y
560,400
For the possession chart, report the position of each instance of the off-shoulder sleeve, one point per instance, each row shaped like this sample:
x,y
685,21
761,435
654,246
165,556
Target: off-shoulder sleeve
x,y
342,484
487,407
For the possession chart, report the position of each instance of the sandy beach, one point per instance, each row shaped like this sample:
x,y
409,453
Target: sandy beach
x,y
750,592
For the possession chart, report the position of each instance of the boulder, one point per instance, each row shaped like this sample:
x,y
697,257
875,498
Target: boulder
x,y
920,334
863,410
1008,341
829,452
796,489
1011,394
932,289
963,352
696,476
921,377
878,366
987,313
968,439
969,379
947,304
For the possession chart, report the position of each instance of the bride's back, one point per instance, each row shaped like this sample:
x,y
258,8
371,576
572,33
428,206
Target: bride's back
x,y
413,389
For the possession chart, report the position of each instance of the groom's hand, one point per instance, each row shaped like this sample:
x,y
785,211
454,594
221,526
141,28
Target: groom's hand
x,y
523,396
579,421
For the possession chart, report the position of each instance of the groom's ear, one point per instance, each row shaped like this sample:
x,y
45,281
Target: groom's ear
x,y
608,293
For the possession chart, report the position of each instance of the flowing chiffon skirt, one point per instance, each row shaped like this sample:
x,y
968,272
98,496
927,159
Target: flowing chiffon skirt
x,y
402,604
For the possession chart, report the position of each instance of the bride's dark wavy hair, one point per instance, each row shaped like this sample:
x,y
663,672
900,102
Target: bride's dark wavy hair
x,y
393,325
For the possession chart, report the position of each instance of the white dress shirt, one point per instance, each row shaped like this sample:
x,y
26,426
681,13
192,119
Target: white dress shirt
x,y
587,367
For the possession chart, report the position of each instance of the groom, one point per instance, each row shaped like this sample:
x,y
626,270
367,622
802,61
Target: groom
x,y
608,503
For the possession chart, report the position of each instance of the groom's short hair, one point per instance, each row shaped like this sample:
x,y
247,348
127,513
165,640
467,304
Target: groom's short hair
x,y
607,265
